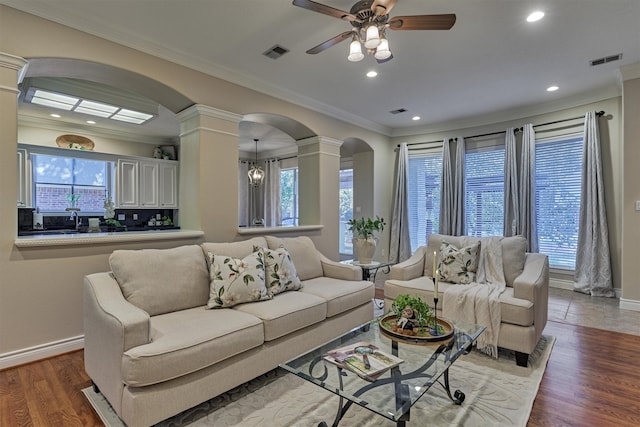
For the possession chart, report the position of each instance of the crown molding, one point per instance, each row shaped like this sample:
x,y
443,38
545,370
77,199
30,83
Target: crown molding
x,y
197,110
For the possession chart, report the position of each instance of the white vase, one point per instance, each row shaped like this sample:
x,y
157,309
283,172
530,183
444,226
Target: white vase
x,y
365,249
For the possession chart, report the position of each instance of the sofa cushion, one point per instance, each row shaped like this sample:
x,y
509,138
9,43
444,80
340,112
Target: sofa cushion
x,y
280,273
513,257
434,243
237,281
303,252
162,280
458,265
340,295
286,312
513,310
234,249
188,340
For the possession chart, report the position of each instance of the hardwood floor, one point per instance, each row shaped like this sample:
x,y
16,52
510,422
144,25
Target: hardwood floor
x,y
592,379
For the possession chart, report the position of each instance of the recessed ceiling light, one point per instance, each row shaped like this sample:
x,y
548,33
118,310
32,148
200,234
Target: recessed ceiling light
x,y
91,122
372,74
415,118
57,116
535,16
552,88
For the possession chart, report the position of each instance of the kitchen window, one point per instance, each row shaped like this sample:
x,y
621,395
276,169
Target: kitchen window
x,y
60,182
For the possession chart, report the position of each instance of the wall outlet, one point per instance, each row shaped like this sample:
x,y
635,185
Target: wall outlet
x,y
120,217
135,216
158,216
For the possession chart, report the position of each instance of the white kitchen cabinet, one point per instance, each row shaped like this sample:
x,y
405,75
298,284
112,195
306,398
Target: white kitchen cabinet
x,y
127,184
24,180
168,185
149,184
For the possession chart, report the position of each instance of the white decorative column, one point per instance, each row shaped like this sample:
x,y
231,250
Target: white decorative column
x,y
12,69
319,188
209,171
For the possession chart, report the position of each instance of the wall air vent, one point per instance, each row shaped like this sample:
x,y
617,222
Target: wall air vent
x,y
605,60
275,52
398,111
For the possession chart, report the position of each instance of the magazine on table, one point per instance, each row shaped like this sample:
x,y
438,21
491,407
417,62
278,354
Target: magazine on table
x,y
364,359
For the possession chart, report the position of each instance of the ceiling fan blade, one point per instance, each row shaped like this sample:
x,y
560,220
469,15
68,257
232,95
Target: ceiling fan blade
x,y
423,22
327,10
382,7
331,42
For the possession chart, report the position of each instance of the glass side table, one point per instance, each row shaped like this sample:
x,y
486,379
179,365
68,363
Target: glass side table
x,y
369,271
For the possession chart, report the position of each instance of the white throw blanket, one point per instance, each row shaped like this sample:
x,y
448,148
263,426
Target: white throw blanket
x,y
478,302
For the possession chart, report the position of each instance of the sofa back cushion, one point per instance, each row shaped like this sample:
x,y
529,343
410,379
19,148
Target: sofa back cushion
x,y
304,254
513,256
162,280
513,252
234,249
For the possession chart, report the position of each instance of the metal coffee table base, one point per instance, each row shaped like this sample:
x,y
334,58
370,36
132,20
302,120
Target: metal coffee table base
x,y
402,390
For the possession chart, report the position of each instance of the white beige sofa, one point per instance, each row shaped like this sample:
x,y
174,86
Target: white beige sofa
x,y
158,351
523,304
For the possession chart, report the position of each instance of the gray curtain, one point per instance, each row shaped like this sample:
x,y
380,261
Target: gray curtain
x,y
527,183
452,190
271,194
593,263
244,195
511,200
400,244
459,226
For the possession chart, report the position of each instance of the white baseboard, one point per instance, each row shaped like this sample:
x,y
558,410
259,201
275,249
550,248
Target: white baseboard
x,y
43,351
568,285
629,304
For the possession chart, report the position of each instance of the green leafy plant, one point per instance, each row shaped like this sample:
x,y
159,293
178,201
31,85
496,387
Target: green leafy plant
x,y
421,309
365,227
112,221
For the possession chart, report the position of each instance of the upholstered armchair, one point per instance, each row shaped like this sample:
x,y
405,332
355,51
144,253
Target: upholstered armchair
x,y
523,304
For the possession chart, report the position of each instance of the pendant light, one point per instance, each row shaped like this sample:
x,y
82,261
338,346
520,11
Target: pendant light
x,y
256,174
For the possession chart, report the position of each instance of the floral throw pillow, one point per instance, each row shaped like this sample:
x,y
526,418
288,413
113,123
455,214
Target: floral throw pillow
x,y
458,265
280,274
236,281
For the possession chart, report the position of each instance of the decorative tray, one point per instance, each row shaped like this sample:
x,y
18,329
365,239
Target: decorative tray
x,y
425,337
75,141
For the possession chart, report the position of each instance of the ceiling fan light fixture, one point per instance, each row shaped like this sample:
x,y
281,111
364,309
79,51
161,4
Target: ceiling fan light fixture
x,y
382,51
373,37
355,51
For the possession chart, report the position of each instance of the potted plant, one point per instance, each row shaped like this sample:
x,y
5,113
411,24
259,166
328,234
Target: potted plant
x,y
364,241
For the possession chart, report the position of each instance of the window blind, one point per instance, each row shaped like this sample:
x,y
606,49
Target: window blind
x,y
484,191
558,178
425,171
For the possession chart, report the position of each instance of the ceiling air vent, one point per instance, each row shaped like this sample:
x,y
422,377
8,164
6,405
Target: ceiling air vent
x,y
275,52
605,60
398,111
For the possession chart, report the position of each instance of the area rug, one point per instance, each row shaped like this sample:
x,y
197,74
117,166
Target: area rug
x,y
498,393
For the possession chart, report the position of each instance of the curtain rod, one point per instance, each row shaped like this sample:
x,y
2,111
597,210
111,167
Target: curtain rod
x,y
516,130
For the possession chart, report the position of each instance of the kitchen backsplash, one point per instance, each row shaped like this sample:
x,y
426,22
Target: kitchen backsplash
x,y
132,218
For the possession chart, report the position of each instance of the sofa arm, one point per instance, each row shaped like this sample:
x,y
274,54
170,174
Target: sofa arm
x,y
111,326
337,270
533,283
411,268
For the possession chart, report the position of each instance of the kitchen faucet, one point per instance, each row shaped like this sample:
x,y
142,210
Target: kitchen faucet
x,y
74,216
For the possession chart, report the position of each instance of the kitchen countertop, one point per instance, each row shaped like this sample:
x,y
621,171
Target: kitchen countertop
x,y
58,239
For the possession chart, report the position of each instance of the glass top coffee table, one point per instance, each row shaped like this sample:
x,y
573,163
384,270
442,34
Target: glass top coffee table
x,y
393,393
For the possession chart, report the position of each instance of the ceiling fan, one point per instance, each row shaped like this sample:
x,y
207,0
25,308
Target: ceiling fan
x,y
370,20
